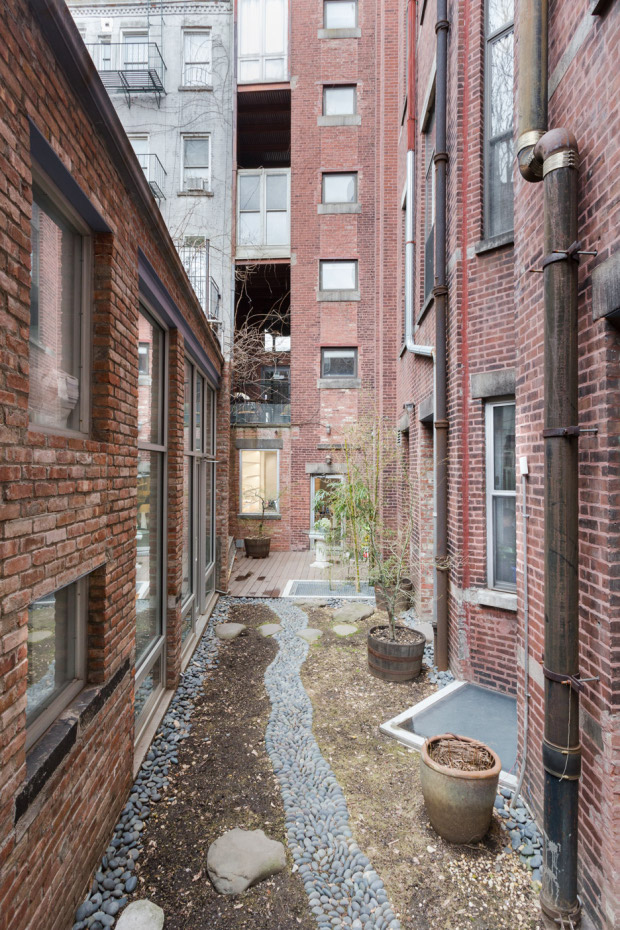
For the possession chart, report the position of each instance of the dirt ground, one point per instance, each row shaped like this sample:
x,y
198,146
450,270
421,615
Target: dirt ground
x,y
224,779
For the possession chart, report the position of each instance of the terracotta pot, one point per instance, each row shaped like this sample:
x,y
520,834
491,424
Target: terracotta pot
x,y
257,547
459,804
395,661
403,598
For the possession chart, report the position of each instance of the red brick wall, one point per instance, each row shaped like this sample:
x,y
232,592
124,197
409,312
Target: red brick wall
x,y
68,504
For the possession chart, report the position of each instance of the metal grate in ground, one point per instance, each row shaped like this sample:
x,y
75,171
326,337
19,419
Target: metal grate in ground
x,y
297,588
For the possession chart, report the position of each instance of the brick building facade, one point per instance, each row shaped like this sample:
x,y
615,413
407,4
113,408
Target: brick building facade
x,y
496,384
107,363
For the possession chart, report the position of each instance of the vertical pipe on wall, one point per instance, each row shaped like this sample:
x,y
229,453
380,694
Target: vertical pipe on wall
x,y
440,294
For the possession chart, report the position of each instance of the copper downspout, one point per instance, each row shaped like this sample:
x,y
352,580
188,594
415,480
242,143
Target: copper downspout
x,y
554,157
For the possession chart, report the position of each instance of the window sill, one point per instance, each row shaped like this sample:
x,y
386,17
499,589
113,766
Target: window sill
x,y
427,303
197,193
338,295
497,242
502,600
56,743
326,208
257,516
201,88
41,347
351,32
351,119
339,384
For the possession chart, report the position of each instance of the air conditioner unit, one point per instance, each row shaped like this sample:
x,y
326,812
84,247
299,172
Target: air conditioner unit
x,y
196,184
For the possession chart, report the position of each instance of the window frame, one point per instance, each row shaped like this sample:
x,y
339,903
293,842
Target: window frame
x,y
263,56
277,250
353,349
490,39
328,87
188,137
342,174
84,303
144,40
491,492
47,717
184,63
430,200
269,514
357,14
339,261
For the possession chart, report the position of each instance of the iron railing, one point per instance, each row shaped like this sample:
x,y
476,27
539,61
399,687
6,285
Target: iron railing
x,y
154,172
251,413
130,67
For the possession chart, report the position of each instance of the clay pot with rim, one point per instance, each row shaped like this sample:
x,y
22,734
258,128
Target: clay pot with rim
x,y
394,661
257,547
459,802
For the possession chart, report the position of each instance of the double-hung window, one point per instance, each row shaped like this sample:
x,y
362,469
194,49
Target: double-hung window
x,y
263,204
196,58
501,495
136,51
258,482
429,205
196,163
60,296
263,40
498,193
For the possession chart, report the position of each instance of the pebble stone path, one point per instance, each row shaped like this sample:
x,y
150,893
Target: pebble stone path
x,y
342,887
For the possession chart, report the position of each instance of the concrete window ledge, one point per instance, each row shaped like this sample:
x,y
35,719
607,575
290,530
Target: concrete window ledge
x,y
502,600
353,32
326,208
350,119
186,88
195,194
497,242
337,295
339,384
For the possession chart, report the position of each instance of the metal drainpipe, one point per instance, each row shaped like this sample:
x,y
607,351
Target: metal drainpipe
x,y
553,155
440,293
526,642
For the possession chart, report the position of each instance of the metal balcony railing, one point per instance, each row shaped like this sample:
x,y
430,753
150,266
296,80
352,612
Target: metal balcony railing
x,y
154,172
130,68
257,413
215,300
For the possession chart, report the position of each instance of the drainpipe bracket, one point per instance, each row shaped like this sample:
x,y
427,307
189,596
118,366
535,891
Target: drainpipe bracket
x,y
441,156
440,290
442,24
575,682
560,255
566,431
568,158
441,424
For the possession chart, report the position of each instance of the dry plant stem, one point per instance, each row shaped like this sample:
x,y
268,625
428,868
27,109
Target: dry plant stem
x,y
461,755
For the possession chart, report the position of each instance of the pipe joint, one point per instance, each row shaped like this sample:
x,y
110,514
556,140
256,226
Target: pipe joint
x,y
558,142
563,918
441,157
530,167
562,762
442,25
440,290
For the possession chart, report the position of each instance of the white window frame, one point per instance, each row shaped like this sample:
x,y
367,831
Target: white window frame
x,y
206,181
269,514
263,56
144,40
83,298
279,250
328,87
342,174
44,720
354,25
352,349
208,70
339,261
491,492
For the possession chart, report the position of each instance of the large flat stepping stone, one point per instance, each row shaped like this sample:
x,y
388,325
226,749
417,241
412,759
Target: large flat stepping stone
x,y
344,629
241,858
353,613
426,628
141,915
229,630
268,629
310,634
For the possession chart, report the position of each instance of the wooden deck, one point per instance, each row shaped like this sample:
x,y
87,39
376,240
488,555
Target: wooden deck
x,y
268,577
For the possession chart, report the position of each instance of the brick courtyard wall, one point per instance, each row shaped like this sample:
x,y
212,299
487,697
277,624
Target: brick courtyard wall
x,y
68,503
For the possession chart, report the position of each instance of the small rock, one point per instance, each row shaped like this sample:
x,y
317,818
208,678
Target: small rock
x,y
141,915
268,629
241,858
535,862
130,884
229,630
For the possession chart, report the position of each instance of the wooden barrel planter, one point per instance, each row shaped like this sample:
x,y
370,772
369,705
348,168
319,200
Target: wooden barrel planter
x,y
395,661
403,598
257,547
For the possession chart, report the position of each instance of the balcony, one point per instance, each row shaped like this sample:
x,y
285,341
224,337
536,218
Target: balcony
x,y
258,413
215,301
130,67
264,214
154,172
195,258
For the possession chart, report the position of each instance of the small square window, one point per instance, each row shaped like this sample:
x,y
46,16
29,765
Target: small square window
x,y
339,363
196,163
338,276
340,188
340,100
56,655
196,58
340,14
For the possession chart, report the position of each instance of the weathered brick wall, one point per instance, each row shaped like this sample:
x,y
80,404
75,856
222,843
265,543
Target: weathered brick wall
x,y
68,504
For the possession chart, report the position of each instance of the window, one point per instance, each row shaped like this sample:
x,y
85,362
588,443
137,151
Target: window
x,y
259,481
340,188
196,163
340,14
429,206
338,363
501,495
264,210
105,53
498,201
340,100
196,58
276,385
136,51
263,40
56,655
338,275
150,527
277,343
59,301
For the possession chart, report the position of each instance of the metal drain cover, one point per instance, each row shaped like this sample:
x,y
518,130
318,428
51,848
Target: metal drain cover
x,y
326,589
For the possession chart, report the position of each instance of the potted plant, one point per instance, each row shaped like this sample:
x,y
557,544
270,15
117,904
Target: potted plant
x,y
258,544
459,779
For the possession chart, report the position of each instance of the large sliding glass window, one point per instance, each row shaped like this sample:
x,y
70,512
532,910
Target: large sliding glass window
x,y
150,549
198,497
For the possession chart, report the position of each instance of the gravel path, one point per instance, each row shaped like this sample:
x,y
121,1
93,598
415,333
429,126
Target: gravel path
x,y
343,889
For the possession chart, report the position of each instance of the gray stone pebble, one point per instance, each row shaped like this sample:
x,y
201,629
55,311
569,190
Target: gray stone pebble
x,y
523,834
